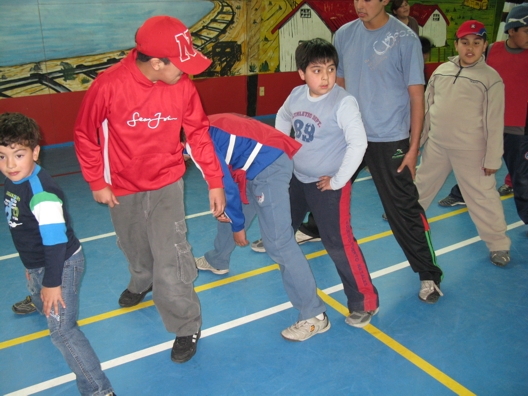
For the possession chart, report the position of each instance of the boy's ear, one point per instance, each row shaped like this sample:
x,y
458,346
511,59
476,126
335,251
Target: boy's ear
x,y
301,74
36,152
156,64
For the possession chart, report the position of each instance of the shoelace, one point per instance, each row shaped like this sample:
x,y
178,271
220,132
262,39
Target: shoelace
x,y
186,340
433,288
300,324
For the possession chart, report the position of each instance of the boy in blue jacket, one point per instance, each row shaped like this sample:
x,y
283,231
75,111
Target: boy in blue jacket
x,y
42,234
257,166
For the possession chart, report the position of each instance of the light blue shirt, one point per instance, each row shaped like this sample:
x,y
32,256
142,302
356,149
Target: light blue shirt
x,y
330,130
378,67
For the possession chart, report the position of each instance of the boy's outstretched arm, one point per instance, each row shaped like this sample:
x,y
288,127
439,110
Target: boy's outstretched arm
x,y
416,92
238,236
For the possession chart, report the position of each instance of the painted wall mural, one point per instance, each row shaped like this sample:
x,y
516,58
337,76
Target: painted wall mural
x,y
59,46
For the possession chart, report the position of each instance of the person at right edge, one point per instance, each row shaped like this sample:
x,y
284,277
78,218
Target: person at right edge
x,y
381,65
510,59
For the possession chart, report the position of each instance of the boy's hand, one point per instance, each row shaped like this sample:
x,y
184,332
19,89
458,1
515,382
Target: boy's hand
x,y
240,238
27,275
105,196
223,218
324,183
409,161
51,297
489,172
217,201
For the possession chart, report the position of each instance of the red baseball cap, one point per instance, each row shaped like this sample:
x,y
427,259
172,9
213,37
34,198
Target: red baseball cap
x,y
167,37
471,27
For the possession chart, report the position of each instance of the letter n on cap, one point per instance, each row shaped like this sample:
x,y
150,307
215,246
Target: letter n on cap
x,y
186,46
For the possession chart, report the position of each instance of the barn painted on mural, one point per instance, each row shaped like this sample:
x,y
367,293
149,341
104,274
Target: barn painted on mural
x,y
310,19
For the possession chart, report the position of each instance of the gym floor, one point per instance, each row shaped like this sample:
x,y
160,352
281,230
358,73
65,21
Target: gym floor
x,y
473,341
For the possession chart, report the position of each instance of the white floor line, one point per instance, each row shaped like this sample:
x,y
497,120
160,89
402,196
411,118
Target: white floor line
x,y
110,234
404,264
101,236
30,390
229,325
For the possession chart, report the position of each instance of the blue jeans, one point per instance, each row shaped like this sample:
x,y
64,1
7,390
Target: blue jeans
x,y
269,200
64,331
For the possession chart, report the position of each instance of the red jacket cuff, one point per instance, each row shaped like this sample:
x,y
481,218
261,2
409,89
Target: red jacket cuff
x,y
215,183
98,184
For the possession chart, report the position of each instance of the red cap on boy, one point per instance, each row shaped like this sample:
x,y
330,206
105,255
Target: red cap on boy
x,y
471,27
167,37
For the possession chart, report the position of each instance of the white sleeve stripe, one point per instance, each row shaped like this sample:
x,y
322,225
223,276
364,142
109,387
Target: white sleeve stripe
x,y
49,212
230,149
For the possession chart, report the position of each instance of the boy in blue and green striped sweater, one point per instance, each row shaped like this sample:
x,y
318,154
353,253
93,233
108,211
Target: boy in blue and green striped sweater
x,y
41,230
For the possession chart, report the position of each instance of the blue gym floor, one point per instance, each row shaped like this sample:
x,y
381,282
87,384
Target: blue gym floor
x,y
474,341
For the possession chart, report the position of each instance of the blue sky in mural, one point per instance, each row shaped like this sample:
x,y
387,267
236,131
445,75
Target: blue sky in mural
x,y
32,31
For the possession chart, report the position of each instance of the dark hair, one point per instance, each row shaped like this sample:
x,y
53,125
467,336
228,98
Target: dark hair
x,y
145,58
426,45
16,128
395,4
315,50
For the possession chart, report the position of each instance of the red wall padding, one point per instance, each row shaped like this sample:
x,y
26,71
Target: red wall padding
x,y
277,87
56,113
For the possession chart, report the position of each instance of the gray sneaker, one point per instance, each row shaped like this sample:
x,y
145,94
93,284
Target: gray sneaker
x,y
304,329
202,264
451,201
258,246
24,307
360,319
500,257
429,292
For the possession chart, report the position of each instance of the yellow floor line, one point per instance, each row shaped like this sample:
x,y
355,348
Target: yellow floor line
x,y
401,350
212,285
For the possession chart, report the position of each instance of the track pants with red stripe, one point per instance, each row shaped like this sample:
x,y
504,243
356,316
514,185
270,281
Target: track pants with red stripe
x,y
331,210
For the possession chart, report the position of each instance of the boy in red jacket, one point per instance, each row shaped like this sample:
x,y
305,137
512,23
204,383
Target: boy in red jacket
x,y
127,139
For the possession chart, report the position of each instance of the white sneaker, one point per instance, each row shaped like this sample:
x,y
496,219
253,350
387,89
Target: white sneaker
x,y
258,246
202,264
360,319
301,238
305,329
429,292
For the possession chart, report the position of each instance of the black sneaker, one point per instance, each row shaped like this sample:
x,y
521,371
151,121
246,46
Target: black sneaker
x,y
184,348
24,307
505,190
451,201
129,299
